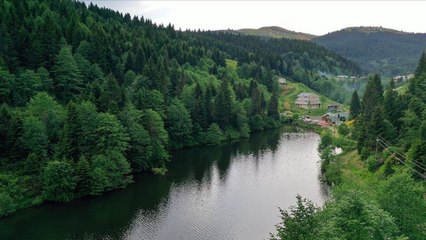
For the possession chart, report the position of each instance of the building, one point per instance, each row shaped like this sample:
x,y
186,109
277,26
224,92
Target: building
x,y
333,107
330,118
308,101
343,116
335,118
282,80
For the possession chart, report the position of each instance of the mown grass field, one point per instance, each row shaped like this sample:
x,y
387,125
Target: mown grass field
x,y
289,94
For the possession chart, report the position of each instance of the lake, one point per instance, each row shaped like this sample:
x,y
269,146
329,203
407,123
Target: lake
x,y
232,191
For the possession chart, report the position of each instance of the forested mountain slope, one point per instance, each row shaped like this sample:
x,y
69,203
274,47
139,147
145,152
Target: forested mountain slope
x,y
89,95
377,49
301,61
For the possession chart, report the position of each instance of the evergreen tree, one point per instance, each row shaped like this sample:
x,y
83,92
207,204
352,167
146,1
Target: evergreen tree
x,y
87,118
67,78
421,66
391,105
355,107
214,135
178,124
110,134
257,98
51,114
159,139
46,81
34,137
14,133
83,184
139,151
198,109
45,40
209,106
224,104
5,118
273,107
111,98
370,124
7,80
373,96
26,85
72,133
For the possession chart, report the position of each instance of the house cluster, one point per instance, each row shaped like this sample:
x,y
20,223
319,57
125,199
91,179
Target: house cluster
x,y
308,101
399,79
334,116
328,119
341,77
335,119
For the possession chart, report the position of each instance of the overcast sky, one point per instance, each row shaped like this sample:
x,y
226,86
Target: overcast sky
x,y
315,17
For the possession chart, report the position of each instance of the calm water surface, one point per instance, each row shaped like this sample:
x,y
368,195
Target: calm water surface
x,y
231,191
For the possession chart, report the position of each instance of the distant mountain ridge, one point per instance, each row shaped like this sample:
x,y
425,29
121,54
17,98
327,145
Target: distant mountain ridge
x,y
370,29
276,32
377,49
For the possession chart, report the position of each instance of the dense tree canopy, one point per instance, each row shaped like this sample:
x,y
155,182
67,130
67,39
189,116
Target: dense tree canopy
x,y
89,95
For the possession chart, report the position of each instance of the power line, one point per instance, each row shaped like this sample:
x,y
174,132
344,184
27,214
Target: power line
x,y
419,165
389,145
422,167
403,162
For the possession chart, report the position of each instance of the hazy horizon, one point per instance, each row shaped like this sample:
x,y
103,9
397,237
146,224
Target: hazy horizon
x,y
313,17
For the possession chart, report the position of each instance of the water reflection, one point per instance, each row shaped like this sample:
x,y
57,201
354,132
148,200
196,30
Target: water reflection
x,y
224,192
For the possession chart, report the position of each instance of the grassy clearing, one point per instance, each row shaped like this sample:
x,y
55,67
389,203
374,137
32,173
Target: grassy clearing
x,y
289,94
356,175
231,64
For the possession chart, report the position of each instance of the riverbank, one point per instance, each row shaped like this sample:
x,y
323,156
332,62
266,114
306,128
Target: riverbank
x,y
28,199
229,191
361,191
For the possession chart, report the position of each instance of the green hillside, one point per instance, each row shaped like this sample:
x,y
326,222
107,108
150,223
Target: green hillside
x,y
276,32
289,94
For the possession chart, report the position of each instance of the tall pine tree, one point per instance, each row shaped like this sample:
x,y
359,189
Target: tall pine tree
x,y
355,107
67,77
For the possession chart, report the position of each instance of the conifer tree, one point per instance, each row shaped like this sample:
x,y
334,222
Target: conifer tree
x,y
178,124
224,104
373,96
355,107
111,98
421,66
82,177
72,133
273,107
6,82
67,78
370,124
139,151
391,105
